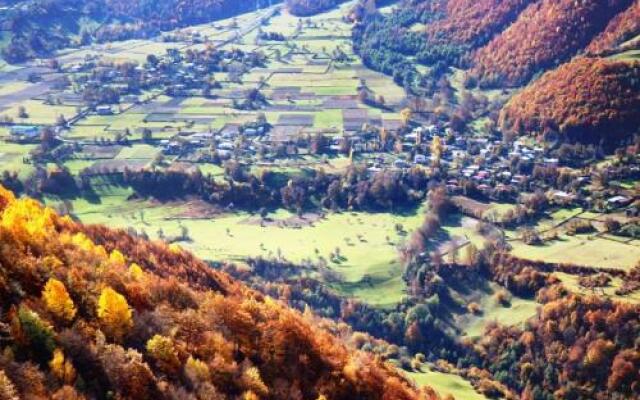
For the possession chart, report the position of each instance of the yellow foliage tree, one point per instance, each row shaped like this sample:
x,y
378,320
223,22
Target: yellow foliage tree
x,y
57,300
114,313
197,371
405,116
7,389
162,350
83,242
62,368
253,381
28,220
117,258
250,396
436,149
136,272
175,248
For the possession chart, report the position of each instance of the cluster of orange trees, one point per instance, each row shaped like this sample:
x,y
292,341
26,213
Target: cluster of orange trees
x,y
578,348
587,100
621,28
473,23
93,313
545,33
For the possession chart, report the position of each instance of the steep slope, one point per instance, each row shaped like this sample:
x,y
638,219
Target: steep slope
x,y
624,26
587,100
94,313
473,22
546,33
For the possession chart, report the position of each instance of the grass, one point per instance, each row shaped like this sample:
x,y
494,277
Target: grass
x,y
11,159
10,88
445,384
80,132
40,113
369,268
214,170
515,314
328,118
581,250
138,152
75,166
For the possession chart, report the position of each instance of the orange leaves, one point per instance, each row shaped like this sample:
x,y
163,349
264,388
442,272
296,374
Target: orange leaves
x,y
473,22
62,368
598,352
581,100
6,197
58,301
7,389
204,334
162,350
623,27
545,33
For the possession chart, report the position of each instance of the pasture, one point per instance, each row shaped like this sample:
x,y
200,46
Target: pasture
x,y
445,384
363,255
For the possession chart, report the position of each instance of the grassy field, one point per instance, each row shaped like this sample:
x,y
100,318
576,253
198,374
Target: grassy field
x,y
369,266
12,159
582,250
515,314
8,89
446,384
40,113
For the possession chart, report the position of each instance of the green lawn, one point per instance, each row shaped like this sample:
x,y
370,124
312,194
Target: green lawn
x,y
515,314
40,113
12,157
138,152
446,384
370,269
582,250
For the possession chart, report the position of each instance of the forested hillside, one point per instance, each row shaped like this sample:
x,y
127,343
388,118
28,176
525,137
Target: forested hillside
x,y
547,33
624,26
587,100
472,23
39,27
94,313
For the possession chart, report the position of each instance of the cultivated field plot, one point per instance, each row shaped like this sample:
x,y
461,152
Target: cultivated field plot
x,y
38,113
12,157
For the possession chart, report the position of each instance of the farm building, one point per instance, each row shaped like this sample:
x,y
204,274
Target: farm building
x,y
104,110
25,132
619,201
